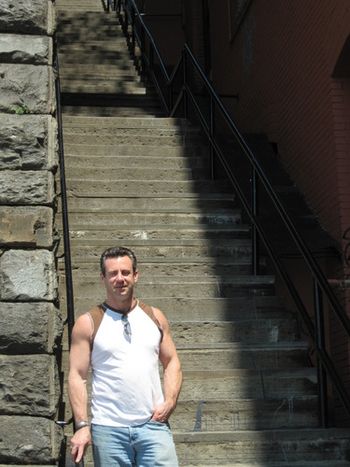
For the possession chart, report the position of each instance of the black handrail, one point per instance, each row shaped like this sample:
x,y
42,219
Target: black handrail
x,y
66,243
130,15
64,205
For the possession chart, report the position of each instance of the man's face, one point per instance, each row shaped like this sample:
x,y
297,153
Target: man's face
x,y
119,278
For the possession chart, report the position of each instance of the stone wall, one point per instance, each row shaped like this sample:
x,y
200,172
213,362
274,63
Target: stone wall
x,y
30,323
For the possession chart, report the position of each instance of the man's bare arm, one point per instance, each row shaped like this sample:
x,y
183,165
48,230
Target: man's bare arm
x,y
79,362
172,378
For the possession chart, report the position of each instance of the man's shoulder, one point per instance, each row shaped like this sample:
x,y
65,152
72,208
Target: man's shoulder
x,y
152,312
96,314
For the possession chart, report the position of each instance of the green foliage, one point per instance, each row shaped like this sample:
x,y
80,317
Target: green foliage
x,y
20,109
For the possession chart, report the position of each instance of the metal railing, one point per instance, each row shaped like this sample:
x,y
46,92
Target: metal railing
x,y
180,89
66,244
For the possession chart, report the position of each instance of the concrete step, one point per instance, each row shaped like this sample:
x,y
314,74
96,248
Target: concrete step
x,y
100,129
206,288
79,85
271,464
229,356
85,16
167,251
96,73
69,5
112,138
130,126
93,233
219,385
207,202
110,100
100,188
247,331
148,150
263,464
264,448
104,110
120,59
134,174
72,31
146,219
245,414
204,309
115,44
101,162
167,269
86,20
132,122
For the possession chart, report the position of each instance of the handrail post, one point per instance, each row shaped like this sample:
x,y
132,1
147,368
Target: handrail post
x,y
151,56
320,342
171,97
133,41
255,239
126,19
212,135
184,82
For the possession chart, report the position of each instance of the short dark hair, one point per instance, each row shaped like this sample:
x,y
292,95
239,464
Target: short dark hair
x,y
116,252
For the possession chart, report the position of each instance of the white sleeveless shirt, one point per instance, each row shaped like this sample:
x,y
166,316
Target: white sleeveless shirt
x,y
125,373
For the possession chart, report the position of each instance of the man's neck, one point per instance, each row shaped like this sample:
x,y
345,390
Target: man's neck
x,y
123,307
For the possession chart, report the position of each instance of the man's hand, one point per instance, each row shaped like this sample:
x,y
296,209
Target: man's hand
x,y
162,412
79,443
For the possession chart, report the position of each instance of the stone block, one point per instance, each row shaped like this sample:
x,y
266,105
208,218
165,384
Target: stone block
x,y
29,328
28,142
29,440
26,89
27,17
28,275
16,48
26,226
26,187
29,385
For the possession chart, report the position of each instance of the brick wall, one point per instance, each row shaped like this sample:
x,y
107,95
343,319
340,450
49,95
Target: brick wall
x,y
280,64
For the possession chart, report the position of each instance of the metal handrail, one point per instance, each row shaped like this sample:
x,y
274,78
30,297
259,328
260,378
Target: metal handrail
x,y
322,286
64,205
66,240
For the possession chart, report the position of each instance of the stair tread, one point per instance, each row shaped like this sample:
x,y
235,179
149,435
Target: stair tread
x,y
132,122
162,280
266,435
241,346
234,372
167,227
273,464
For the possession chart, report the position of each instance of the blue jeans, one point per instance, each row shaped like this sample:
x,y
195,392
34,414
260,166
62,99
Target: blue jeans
x,y
147,445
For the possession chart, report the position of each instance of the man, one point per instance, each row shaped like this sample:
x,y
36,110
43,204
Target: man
x,y
130,413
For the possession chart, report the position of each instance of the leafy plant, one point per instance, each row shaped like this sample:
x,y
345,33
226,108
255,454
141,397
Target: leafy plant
x,y
20,109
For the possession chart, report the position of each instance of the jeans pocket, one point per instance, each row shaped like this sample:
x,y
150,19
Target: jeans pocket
x,y
161,424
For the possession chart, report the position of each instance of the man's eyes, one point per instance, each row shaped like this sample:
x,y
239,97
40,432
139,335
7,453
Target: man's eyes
x,y
123,273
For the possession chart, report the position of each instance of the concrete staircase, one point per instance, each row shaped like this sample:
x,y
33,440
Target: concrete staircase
x,y
140,180
98,76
